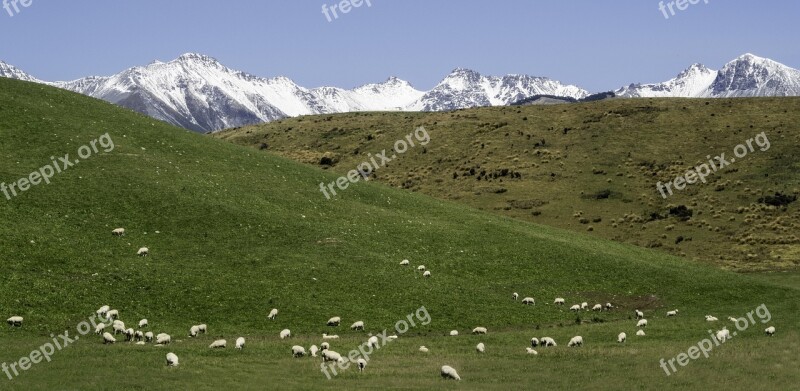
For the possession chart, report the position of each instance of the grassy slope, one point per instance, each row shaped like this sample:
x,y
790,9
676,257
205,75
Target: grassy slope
x,y
565,153
240,232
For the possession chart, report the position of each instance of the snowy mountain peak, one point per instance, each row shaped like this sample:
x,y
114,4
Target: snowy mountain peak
x,y
750,75
12,72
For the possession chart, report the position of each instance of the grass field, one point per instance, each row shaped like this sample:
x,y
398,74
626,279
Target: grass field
x,y
234,232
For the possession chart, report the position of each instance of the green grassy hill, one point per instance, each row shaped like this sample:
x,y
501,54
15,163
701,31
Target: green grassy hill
x,y
234,232
589,168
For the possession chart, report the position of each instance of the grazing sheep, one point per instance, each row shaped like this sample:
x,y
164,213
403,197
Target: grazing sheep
x,y
193,331
641,323
129,335
585,306
427,273
559,301
672,313
239,343
770,330
423,349
273,314
479,330
528,301
298,351
330,355
732,319
453,333
480,347
138,336
102,311
357,325
515,296
449,373
609,306
711,318
404,262
218,344
597,307
531,351
622,337
576,308
421,268
112,314
118,329
361,364
534,342
314,349
143,252
163,339
118,323
285,333
723,335
143,323
325,346
394,336
172,360
547,341
148,336
118,232
639,314
326,336
99,328
203,328
108,338
333,322
575,341
640,333
372,341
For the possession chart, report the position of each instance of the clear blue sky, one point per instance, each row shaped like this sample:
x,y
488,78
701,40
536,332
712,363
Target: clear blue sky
x,y
598,45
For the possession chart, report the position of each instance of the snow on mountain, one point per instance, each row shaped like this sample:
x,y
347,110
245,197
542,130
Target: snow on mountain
x,y
692,82
12,72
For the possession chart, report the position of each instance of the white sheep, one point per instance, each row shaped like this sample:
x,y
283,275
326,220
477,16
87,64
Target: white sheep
x,y
333,322
118,329
672,313
330,355
531,351
143,323
585,306
141,343
427,273
528,301
480,347
609,306
138,336
143,252
723,335
203,328
172,360
357,325
314,349
404,262
559,301
218,344
597,307
326,336
622,337
575,341
449,373
108,338
163,339
576,307
547,341
99,328
361,364
325,346
298,351
711,318
423,349
640,333
372,341
112,314
102,311
119,323
770,330
421,268
641,323
148,336
273,314
193,331
118,232
515,296
285,333
239,343
129,334
534,342
393,336
453,333
732,319
479,330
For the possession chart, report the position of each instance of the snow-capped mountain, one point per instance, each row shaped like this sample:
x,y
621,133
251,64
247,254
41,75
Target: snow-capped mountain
x,y
464,88
12,72
746,76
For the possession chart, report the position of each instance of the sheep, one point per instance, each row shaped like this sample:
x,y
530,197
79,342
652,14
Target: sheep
x,y
515,296
453,333
622,337
273,314
143,323
585,306
148,336
101,312
421,268
639,314
575,341
298,351
547,341
118,329
710,318
118,323
404,262
723,335
427,273
732,319
172,360
372,341
576,308
239,343
141,343
330,355
326,336
480,347
203,328
163,339
138,336
672,313
118,232
479,330
99,328
108,338
531,351
325,346
770,331
112,314
641,323
357,325
193,331
394,336
449,373
361,364
597,307
528,301
609,306
285,333
559,301
129,335
333,322
640,333
314,349
219,344
423,349
143,252
534,342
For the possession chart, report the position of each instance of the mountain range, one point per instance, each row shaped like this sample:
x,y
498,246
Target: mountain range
x,y
196,92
